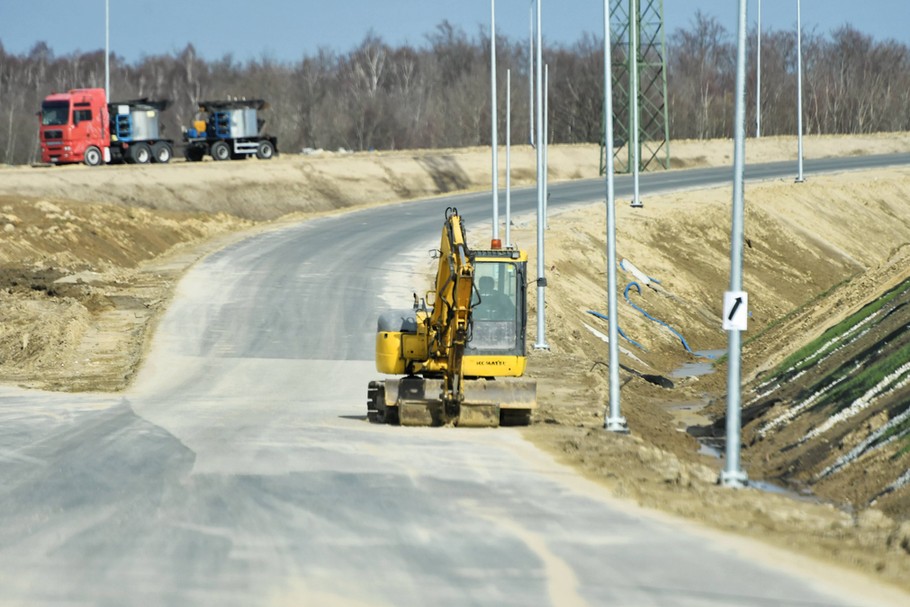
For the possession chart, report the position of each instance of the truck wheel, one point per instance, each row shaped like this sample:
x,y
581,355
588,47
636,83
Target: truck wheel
x,y
220,150
141,153
161,152
92,156
194,154
265,150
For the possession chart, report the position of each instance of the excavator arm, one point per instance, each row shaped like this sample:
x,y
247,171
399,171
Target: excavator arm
x,y
450,320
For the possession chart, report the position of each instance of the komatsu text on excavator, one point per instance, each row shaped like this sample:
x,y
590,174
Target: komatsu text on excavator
x,y
461,348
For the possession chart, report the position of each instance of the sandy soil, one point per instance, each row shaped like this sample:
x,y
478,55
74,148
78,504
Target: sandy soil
x,y
807,267
89,258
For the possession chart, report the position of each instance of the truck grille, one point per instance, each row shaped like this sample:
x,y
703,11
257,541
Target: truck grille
x,y
53,134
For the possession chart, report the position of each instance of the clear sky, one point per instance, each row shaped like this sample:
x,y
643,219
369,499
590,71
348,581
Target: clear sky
x,y
287,29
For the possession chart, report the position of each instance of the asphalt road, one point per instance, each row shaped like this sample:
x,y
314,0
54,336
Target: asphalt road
x,y
239,469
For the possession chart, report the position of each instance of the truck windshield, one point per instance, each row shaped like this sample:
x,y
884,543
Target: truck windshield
x,y
55,113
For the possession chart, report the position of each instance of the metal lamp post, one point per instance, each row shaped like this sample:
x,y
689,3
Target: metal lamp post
x,y
531,72
633,70
613,421
545,144
494,120
541,343
758,77
107,49
732,474
508,158
799,95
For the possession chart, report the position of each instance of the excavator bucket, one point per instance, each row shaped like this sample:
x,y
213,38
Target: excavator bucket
x,y
487,403
506,401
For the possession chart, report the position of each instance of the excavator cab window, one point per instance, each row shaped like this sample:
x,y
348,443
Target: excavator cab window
x,y
491,303
497,325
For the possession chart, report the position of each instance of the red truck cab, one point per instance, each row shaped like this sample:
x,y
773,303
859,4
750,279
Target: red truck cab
x,y
75,127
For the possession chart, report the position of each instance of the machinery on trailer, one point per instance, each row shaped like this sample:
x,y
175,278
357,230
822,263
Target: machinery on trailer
x,y
462,347
82,126
229,130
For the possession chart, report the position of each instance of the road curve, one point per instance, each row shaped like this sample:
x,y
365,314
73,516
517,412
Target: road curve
x,y
239,469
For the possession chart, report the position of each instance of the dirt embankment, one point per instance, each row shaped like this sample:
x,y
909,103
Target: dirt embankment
x,y
89,257
815,253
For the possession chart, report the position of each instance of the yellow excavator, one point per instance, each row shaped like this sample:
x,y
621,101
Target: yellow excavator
x,y
461,349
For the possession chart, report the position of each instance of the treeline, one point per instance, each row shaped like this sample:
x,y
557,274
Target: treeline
x,y
851,83
377,96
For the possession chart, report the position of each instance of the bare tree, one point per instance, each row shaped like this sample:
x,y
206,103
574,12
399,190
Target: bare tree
x,y
376,96
700,79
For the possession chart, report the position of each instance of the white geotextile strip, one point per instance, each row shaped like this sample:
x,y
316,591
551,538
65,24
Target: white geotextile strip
x,y
794,411
900,482
861,448
764,394
822,349
893,381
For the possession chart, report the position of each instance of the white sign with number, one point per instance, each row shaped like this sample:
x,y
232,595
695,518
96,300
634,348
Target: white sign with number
x,y
736,310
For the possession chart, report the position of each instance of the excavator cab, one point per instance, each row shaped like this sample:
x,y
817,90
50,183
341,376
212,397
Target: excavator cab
x,y
498,314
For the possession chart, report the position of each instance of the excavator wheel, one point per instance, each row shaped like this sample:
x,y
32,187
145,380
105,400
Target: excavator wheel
x,y
377,411
373,392
515,417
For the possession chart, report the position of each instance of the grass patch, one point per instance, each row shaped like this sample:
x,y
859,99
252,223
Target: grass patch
x,y
902,432
813,351
899,430
862,382
904,450
797,310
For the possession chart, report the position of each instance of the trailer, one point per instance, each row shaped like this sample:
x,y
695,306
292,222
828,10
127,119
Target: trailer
x,y
229,130
136,131
82,126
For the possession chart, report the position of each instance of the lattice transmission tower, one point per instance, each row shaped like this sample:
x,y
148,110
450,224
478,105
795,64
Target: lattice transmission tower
x,y
650,82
